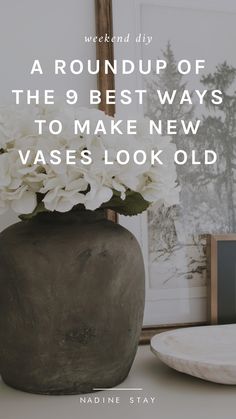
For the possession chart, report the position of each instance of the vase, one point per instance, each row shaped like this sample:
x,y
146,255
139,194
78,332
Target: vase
x,y
71,303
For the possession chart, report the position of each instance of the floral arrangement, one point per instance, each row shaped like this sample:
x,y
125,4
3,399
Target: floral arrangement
x,y
31,188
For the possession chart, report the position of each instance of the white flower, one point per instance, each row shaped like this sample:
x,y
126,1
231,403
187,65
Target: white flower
x,y
62,187
22,201
61,200
26,203
5,175
97,196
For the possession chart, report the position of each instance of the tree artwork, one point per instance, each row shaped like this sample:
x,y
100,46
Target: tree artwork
x,y
177,235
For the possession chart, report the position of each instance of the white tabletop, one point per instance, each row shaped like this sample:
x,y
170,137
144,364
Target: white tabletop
x,y
176,396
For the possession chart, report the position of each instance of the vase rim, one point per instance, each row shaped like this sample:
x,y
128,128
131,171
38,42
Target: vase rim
x,y
73,215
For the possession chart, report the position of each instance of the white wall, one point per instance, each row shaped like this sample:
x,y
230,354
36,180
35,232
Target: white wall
x,y
44,29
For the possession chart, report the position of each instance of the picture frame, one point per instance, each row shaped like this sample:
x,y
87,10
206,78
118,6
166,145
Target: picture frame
x,y
104,24
221,278
177,306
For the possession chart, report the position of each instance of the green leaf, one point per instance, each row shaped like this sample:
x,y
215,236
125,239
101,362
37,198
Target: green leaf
x,y
134,204
40,208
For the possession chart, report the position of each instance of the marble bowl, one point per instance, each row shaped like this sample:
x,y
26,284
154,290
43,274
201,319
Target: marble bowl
x,y
206,352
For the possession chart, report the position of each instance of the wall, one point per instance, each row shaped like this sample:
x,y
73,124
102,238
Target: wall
x,y
45,30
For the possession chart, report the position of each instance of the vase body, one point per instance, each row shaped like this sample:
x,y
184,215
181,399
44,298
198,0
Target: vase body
x,y
71,303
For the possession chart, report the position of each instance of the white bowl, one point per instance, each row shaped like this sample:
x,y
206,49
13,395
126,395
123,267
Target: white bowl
x,y
206,352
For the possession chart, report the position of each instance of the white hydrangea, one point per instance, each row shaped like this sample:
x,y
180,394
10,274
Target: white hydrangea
x,y
62,187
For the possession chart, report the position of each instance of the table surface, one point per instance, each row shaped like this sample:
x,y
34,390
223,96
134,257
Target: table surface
x,y
176,396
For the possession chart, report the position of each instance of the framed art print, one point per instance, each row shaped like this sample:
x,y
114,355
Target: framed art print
x,y
222,278
174,239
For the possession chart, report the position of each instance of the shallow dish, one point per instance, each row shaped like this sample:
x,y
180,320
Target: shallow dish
x,y
206,352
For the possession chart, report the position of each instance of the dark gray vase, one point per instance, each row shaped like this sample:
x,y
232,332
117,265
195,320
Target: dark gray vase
x,y
71,303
